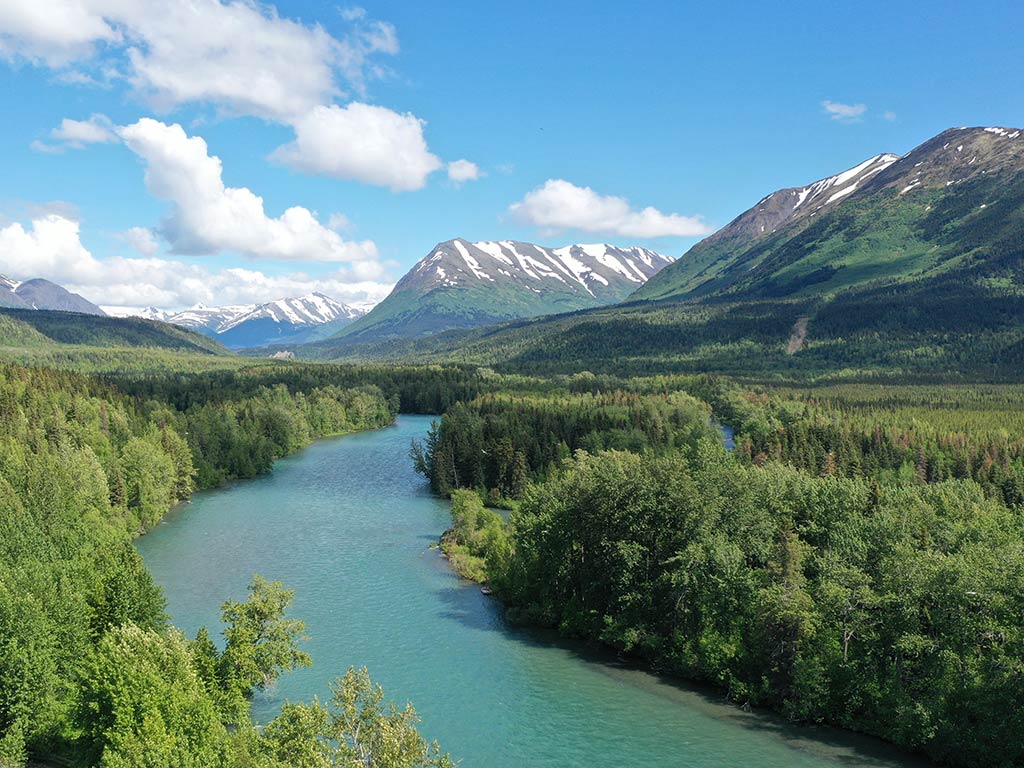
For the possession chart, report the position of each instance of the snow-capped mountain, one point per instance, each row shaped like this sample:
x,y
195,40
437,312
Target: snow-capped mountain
x,y
314,309
592,270
293,320
462,283
38,293
878,220
209,320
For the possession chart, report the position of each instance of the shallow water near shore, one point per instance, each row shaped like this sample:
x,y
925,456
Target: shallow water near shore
x,y
349,526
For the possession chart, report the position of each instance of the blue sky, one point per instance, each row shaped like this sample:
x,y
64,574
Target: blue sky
x,y
646,123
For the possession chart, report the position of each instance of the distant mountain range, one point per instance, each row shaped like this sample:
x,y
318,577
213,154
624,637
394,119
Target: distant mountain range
x,y
462,284
42,294
292,321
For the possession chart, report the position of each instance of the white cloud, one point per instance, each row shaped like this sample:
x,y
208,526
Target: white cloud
x,y
96,130
560,205
243,58
238,54
141,239
889,116
461,171
50,247
54,33
362,142
207,217
844,113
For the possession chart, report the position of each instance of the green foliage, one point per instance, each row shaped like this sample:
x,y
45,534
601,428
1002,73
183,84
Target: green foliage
x,y
478,540
83,467
35,327
893,610
260,644
142,705
357,728
499,442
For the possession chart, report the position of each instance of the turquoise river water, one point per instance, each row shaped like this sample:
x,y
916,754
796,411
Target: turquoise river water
x,y
348,525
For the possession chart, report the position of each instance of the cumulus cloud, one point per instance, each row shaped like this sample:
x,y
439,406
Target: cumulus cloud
x,y
237,54
50,247
141,239
560,205
98,129
362,142
844,113
207,217
460,171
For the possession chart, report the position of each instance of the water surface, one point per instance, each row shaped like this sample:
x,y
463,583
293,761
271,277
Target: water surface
x,y
348,526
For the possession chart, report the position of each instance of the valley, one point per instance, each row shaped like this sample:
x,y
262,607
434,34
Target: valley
x,y
548,385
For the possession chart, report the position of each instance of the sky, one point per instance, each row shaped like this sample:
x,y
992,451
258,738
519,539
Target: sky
x,y
173,152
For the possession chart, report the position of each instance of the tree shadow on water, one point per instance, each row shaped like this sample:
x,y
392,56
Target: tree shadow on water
x,y
463,603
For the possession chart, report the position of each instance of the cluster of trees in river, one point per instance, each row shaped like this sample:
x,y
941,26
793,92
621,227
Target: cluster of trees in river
x,y
90,670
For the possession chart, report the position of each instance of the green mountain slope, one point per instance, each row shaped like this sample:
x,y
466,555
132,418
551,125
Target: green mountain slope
x,y
950,203
31,328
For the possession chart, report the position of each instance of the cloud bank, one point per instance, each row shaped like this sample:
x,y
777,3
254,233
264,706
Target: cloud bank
x,y
560,205
50,247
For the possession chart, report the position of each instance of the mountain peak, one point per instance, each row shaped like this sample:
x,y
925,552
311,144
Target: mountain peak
x,y
811,240
462,283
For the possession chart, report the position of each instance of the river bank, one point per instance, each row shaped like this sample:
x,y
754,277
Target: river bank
x,y
348,525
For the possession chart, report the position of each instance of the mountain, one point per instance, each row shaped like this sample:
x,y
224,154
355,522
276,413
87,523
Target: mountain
x,y
8,297
206,319
908,267
296,320
888,218
293,320
23,328
460,284
43,294
146,313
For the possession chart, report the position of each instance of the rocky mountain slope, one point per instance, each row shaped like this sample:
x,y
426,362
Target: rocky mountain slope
x,y
462,284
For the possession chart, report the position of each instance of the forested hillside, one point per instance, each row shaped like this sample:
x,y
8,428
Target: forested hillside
x,y
44,328
898,267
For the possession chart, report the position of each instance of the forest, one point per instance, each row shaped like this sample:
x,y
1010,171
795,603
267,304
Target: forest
x,y
857,560
91,671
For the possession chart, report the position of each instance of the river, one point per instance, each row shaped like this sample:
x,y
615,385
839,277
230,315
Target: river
x,y
348,525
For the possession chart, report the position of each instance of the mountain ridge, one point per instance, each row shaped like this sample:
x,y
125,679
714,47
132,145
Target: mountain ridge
x,y
39,293
461,284
772,247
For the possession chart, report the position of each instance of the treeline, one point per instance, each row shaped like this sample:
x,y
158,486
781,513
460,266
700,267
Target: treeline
x,y
500,441
932,435
83,467
409,389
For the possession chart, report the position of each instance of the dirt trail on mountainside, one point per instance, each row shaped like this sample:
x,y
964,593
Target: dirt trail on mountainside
x,y
797,336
